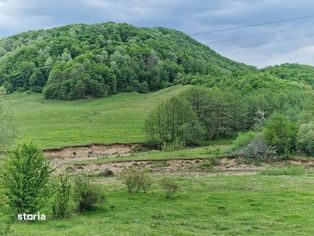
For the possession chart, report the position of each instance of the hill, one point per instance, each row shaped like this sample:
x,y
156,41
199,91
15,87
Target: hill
x,y
293,72
52,123
78,61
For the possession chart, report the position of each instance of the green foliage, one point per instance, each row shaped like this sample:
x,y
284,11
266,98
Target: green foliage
x,y
25,179
173,122
78,61
61,206
86,195
305,138
294,72
169,186
136,180
7,125
291,171
243,140
280,133
257,149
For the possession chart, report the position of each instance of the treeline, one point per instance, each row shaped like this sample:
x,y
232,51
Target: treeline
x,y
77,61
202,114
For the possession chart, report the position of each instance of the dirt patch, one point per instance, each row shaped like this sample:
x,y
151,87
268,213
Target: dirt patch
x,y
90,152
183,166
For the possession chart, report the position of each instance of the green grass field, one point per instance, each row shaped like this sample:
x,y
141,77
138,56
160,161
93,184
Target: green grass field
x,y
51,123
205,205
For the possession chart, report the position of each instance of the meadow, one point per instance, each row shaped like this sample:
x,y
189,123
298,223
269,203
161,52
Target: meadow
x,y
204,205
52,123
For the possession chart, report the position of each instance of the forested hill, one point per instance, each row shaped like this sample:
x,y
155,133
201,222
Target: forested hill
x,y
293,72
81,60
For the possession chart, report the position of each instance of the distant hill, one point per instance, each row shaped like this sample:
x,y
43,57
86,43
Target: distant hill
x,y
77,61
293,72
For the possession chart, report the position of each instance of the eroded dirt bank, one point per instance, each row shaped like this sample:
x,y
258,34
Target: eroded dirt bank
x,y
93,151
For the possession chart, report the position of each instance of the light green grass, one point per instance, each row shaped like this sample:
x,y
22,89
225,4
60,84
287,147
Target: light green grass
x,y
290,170
50,123
216,205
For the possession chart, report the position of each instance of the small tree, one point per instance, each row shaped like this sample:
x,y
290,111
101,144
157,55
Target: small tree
x,y
86,195
136,180
172,122
305,139
25,179
280,133
169,187
61,204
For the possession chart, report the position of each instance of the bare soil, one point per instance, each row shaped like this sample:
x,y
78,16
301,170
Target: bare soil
x,y
65,161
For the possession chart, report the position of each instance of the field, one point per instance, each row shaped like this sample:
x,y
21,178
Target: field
x,y
204,205
225,198
118,118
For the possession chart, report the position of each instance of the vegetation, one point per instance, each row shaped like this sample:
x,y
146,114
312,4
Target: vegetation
x,y
25,178
205,205
61,206
87,196
291,171
115,119
78,61
280,133
169,187
136,180
7,127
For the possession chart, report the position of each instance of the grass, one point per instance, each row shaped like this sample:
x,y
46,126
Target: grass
x,y
204,205
291,170
51,123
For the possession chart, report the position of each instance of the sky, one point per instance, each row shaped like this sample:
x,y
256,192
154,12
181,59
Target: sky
x,y
189,16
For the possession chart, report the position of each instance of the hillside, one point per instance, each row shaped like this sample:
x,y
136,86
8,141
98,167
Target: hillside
x,y
118,118
293,72
78,61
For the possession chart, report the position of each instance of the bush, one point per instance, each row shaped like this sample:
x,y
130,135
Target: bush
x,y
25,179
243,140
169,187
61,203
305,138
257,148
280,133
86,195
136,180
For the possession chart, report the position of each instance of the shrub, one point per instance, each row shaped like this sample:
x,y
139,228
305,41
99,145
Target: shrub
x,y
86,195
136,180
61,203
25,179
305,138
257,148
169,187
280,133
243,140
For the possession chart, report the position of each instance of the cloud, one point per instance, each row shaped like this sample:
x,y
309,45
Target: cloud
x,y
189,16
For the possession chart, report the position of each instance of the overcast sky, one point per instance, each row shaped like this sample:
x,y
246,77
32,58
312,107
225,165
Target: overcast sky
x,y
189,16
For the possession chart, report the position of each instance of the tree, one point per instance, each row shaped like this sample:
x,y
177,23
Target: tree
x,y
173,121
25,177
305,138
280,133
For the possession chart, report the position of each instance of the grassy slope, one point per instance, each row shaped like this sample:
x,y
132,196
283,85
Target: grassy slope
x,y
118,118
217,205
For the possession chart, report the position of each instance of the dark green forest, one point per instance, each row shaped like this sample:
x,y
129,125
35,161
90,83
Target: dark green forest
x,y
78,61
